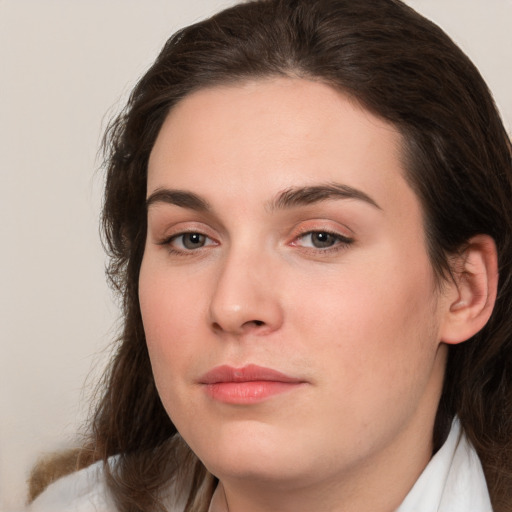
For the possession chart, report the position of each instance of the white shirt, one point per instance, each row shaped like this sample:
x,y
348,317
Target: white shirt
x,y
453,481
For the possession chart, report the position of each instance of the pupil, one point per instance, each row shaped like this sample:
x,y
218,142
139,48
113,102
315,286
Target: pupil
x,y
323,239
193,240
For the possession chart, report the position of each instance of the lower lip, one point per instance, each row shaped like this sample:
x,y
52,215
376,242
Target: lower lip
x,y
249,392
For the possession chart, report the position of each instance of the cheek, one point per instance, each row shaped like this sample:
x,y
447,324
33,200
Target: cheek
x,y
372,342
170,301
169,315
377,320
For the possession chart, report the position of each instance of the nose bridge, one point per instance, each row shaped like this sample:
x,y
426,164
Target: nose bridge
x,y
244,298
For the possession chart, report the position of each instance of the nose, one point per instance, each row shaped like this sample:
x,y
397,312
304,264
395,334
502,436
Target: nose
x,y
246,299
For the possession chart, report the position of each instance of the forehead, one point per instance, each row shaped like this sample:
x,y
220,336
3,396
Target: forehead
x,y
261,137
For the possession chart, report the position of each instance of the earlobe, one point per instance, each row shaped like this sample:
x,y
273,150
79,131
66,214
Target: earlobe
x,y
472,293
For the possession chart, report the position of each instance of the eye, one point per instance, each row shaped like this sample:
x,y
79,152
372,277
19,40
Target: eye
x,y
321,240
189,241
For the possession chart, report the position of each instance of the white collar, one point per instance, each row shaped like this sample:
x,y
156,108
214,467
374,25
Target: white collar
x,y
453,481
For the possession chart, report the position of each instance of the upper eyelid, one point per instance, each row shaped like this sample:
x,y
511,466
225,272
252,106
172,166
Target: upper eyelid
x,y
171,229
322,225
174,248
171,215
331,231
172,236
178,235
342,238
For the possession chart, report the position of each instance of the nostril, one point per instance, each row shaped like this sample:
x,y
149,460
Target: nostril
x,y
252,324
246,325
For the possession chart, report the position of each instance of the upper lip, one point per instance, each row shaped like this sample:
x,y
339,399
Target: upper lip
x,y
249,373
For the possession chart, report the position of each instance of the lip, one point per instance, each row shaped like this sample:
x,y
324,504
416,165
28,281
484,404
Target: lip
x,y
247,385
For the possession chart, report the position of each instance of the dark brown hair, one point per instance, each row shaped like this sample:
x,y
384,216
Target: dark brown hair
x,y
458,157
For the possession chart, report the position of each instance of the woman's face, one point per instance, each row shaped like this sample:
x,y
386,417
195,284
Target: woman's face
x,y
288,301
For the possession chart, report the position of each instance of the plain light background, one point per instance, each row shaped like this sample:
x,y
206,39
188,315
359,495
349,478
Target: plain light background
x,y
65,69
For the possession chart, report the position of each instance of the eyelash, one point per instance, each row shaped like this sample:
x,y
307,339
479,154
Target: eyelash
x,y
340,242
167,242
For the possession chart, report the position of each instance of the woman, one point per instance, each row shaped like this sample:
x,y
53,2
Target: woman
x,y
307,208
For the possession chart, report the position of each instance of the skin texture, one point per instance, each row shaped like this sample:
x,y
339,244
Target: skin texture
x,y
359,323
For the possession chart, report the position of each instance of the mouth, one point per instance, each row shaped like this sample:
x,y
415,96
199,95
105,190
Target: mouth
x,y
247,385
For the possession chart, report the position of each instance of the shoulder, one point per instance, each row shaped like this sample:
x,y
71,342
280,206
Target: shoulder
x,y
82,491
86,491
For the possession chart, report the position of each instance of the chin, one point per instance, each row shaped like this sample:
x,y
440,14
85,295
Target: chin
x,y
257,452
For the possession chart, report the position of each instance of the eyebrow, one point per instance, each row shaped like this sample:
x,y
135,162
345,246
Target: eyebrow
x,y
289,198
180,198
298,196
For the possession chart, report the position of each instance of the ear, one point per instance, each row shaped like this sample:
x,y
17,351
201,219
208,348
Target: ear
x,y
471,295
